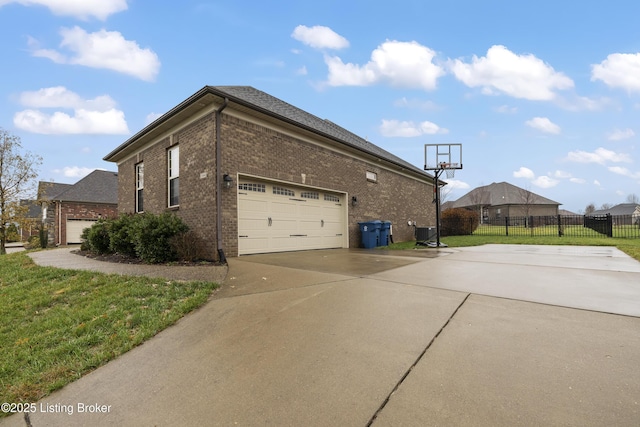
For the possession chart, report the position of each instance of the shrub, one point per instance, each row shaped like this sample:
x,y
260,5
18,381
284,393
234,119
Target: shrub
x,y
152,234
188,246
121,234
97,237
43,235
458,222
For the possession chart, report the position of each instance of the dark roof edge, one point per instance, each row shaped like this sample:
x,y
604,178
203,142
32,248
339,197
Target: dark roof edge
x,y
214,91
166,116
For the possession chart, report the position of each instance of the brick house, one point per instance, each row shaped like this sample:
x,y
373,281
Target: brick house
x,y
250,173
67,209
501,199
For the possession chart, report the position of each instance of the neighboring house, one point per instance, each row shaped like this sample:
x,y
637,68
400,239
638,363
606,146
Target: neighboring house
x,y
250,173
624,213
67,209
32,219
500,200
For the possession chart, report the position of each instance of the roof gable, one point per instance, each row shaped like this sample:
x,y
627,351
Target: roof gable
x,y
97,187
499,194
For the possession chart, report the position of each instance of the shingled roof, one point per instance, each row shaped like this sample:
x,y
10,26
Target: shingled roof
x,y
97,187
256,100
500,194
621,209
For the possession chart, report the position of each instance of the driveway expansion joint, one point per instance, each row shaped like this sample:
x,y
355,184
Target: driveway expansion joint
x,y
406,374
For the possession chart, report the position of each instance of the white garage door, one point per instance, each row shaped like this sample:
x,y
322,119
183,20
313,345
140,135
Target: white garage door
x,y
74,229
276,218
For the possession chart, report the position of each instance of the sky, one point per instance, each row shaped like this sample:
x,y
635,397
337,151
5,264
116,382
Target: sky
x,y
542,94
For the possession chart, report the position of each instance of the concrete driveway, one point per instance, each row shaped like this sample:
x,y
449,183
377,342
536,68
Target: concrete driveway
x,y
493,335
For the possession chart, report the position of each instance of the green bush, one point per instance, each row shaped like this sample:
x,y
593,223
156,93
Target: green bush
x,y
145,236
121,234
97,237
152,236
459,222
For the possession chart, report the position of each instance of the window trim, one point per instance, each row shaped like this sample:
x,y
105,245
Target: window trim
x,y
139,171
173,174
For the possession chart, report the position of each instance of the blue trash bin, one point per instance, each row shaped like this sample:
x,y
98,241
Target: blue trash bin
x,y
385,230
370,233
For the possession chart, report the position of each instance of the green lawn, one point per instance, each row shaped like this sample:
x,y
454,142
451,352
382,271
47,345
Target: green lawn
x,y
56,325
629,246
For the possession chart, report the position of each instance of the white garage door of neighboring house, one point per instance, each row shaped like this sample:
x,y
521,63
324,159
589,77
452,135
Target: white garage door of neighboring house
x,y
273,217
75,227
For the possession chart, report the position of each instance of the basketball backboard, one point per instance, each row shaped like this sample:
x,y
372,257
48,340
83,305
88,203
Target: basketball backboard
x,y
442,156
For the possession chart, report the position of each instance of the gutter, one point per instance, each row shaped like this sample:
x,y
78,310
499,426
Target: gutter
x,y
219,181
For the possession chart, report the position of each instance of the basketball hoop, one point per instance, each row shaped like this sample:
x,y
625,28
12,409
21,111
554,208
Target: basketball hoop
x,y
449,168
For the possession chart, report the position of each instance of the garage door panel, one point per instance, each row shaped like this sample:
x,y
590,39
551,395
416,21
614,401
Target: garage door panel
x,y
75,229
276,221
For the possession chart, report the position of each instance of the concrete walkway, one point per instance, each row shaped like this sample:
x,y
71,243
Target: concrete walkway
x,y
471,337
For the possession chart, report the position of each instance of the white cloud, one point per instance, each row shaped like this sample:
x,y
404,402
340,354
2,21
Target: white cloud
x,y
102,49
560,174
83,9
417,104
600,156
618,134
543,124
597,183
74,171
454,184
577,180
93,116
82,122
505,109
619,70
152,117
624,172
544,182
524,173
61,97
519,76
403,64
319,37
408,129
302,71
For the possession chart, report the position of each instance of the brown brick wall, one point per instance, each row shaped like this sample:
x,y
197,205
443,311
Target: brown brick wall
x,y
252,149
58,215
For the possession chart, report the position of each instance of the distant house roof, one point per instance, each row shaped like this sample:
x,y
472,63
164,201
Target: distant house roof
x,y
621,209
565,212
34,208
97,187
501,194
249,98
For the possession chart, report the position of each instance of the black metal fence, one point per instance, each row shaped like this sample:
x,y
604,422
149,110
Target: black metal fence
x,y
619,226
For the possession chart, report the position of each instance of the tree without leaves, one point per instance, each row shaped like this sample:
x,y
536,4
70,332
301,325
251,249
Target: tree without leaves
x,y
591,208
17,177
633,198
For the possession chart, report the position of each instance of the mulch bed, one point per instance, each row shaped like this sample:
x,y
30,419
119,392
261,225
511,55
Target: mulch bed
x,y
122,259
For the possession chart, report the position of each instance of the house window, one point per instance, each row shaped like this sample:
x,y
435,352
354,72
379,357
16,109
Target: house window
x,y
310,195
372,176
331,198
140,187
260,188
173,156
283,191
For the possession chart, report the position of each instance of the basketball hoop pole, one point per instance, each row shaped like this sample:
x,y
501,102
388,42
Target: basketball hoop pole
x,y
437,173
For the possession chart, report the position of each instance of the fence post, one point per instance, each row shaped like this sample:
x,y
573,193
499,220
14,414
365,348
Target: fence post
x,y
609,225
506,225
560,233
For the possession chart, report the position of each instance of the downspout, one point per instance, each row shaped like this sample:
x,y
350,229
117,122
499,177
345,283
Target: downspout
x,y
219,182
59,205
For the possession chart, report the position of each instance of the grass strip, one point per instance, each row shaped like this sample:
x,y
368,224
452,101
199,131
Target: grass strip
x,y
57,325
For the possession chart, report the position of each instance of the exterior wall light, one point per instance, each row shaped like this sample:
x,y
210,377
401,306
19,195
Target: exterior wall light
x,y
226,178
354,201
